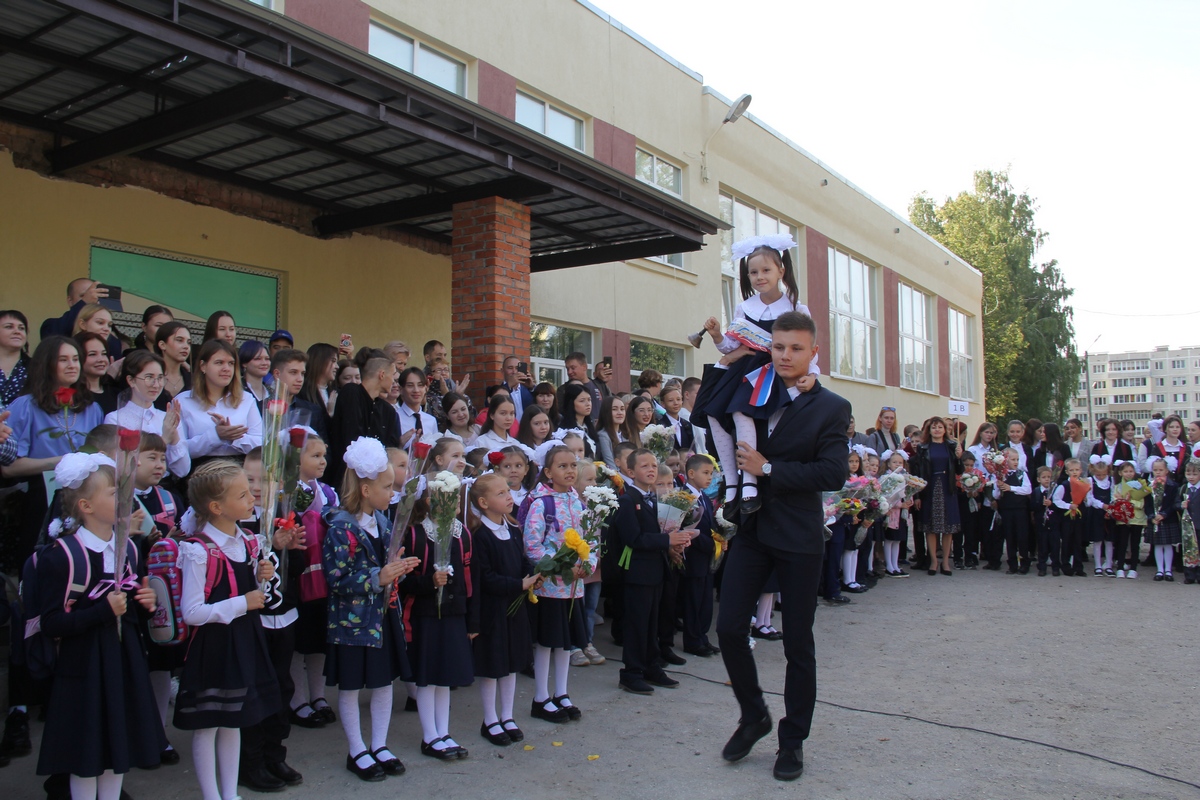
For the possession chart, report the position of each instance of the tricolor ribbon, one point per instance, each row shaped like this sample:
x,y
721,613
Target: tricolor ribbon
x,y
761,381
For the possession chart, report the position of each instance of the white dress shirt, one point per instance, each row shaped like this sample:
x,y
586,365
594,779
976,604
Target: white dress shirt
x,y
201,429
1097,483
97,545
492,441
778,415
498,528
150,420
1024,487
193,563
408,420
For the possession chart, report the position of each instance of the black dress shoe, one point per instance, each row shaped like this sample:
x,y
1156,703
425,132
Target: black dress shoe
x,y
840,600
671,657
662,680
514,733
704,651
539,711
716,651
260,780
313,720
743,739
732,511
751,505
573,712
445,754
289,776
324,713
16,735
501,739
391,765
372,772
169,756
635,686
789,764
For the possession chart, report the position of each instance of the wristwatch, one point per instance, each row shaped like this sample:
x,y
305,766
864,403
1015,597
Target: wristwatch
x,y
766,469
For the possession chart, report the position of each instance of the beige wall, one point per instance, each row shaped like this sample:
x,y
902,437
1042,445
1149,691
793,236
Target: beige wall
x,y
47,227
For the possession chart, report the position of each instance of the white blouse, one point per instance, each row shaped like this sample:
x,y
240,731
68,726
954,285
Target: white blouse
x,y
492,441
201,429
500,529
150,420
193,563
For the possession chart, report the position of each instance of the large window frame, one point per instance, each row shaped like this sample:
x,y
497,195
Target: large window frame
x,y
542,116
917,367
666,176
746,219
549,345
416,57
644,354
962,355
853,317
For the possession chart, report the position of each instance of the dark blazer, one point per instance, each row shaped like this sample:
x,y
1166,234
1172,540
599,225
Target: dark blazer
x,y
1190,504
697,558
1122,452
807,451
62,326
598,391
635,524
923,466
318,419
355,415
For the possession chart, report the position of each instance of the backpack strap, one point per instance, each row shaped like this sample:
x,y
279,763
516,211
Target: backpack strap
x,y
550,513
216,558
79,570
167,503
464,554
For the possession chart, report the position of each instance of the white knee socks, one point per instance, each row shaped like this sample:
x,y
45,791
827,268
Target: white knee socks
x,y
562,669
508,694
216,749
381,717
891,556
487,698
849,567
433,707
762,614
541,674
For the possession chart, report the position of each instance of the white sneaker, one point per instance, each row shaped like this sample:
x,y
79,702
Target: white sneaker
x,y
1131,573
593,655
578,659
1120,573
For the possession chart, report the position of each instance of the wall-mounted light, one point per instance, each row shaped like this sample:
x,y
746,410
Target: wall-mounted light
x,y
733,115
897,230
824,181
947,263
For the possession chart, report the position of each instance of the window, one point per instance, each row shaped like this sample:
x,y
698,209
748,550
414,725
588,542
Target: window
x,y
544,118
1158,365
549,344
1179,398
1120,383
1097,368
1179,363
1099,384
916,340
1082,386
1160,381
1141,415
1119,399
418,58
1196,380
267,4
1083,417
648,355
655,171
853,318
1128,366
1099,401
1160,398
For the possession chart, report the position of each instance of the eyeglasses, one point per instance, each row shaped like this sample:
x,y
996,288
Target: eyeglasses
x,y
151,380
888,408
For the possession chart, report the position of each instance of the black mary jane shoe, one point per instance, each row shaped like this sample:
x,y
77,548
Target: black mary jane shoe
x,y
391,766
539,711
501,739
372,773
169,756
445,754
314,720
514,733
325,712
750,505
573,712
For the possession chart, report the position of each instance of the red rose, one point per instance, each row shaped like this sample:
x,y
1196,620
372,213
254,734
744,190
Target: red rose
x,y
129,440
64,396
298,437
421,450
495,459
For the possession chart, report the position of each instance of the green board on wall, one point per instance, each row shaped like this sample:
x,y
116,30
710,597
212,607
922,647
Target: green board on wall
x,y
195,288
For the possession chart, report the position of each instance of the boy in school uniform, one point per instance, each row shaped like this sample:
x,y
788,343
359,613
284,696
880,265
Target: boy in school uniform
x,y
697,581
644,552
1012,503
1045,520
1190,501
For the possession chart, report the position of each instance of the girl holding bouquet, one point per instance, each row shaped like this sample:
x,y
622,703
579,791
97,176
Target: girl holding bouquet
x,y
557,620
1129,532
896,529
1101,528
1162,512
743,387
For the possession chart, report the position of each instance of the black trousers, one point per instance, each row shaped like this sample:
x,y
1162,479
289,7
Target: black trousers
x,y
1049,547
697,610
263,743
668,607
1071,545
1128,545
639,650
1014,524
747,568
834,549
991,536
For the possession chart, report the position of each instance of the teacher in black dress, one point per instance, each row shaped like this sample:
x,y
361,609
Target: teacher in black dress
x,y
802,452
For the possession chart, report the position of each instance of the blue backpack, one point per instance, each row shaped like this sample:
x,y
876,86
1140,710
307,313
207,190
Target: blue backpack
x,y
547,508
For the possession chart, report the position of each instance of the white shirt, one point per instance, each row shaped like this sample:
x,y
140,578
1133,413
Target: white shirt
x,y
500,529
1025,487
492,441
201,429
368,524
408,420
193,563
518,495
1060,498
677,425
1021,460
518,402
150,420
97,545
753,308
1097,483
778,415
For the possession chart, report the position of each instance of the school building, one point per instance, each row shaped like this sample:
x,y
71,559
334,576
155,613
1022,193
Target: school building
x,y
527,177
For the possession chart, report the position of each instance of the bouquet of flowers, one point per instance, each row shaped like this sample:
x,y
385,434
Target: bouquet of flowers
x,y
850,499
442,525
660,440
1119,510
993,461
677,510
606,475
129,442
1079,492
412,490
721,538
560,564
1158,488
913,486
284,437
971,483
599,502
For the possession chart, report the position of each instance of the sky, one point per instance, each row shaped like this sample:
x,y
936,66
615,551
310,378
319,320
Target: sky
x,y
1093,108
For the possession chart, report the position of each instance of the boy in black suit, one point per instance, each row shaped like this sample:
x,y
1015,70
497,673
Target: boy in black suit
x,y
1190,501
697,564
644,556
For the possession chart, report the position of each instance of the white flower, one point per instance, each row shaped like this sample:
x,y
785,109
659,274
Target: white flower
x,y
74,468
650,432
367,457
600,497
445,481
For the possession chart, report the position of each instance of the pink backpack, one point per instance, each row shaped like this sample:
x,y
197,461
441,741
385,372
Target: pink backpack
x,y
312,580
166,627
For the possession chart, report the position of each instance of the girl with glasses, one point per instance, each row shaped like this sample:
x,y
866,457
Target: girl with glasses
x,y
143,377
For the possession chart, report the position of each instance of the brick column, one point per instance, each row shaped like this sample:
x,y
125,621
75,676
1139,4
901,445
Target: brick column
x,y
489,289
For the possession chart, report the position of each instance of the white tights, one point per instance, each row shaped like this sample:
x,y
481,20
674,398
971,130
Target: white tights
x,y
487,696
105,787
726,447
381,717
849,567
541,673
762,615
308,674
1164,557
160,684
891,556
213,748
433,707
1102,554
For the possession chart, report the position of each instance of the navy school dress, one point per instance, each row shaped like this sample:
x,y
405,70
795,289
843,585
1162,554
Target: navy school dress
x,y
725,391
1097,527
440,649
228,679
101,713
504,643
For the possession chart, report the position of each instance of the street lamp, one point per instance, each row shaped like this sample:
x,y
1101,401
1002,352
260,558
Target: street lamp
x,y
1087,372
734,114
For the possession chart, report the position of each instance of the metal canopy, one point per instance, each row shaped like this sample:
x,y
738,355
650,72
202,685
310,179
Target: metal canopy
x,y
244,96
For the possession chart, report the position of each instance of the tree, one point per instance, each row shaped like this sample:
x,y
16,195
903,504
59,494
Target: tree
x,y
1028,338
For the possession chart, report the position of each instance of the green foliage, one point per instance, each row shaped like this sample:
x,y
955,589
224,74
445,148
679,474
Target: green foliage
x,y
1030,362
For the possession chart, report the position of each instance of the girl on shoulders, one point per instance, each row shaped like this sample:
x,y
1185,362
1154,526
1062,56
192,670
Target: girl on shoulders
x,y
221,420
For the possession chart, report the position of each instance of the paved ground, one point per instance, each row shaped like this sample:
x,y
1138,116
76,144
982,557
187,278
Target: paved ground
x,y
1099,665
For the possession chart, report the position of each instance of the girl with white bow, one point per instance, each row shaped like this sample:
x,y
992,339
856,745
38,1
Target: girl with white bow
x,y
1100,529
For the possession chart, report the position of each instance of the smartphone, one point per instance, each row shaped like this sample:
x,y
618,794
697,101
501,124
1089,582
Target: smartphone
x,y
523,366
113,301
608,361
347,342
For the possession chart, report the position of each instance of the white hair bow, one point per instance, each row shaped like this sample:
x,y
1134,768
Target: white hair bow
x,y
74,468
1104,459
776,241
367,457
887,455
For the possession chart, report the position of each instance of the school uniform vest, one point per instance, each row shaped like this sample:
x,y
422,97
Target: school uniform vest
x,y
1011,501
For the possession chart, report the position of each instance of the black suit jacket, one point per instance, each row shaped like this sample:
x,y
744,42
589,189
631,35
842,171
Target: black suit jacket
x,y
636,526
697,558
807,451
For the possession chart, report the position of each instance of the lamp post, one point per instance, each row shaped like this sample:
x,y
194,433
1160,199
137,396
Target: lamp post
x,y
734,114
1087,371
